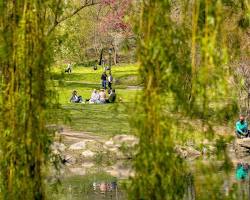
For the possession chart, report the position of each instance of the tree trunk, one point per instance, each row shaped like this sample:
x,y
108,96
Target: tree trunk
x,y
115,55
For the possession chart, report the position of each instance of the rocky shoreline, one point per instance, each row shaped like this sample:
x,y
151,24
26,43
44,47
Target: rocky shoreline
x,y
82,153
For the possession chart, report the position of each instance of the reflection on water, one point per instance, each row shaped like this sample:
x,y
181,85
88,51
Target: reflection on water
x,y
243,181
216,181
98,186
210,180
242,171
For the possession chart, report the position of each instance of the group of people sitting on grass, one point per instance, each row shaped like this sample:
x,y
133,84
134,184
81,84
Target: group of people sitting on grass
x,y
97,97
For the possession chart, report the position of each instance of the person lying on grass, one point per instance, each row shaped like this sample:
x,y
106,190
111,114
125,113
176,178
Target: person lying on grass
x,y
242,127
75,98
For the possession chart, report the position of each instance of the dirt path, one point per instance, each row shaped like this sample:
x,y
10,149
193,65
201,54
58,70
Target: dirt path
x,y
134,87
70,136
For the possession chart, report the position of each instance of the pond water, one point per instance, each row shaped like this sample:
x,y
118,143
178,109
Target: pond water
x,y
211,178
92,186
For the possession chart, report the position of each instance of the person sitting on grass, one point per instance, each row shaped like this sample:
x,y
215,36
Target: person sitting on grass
x,y
112,97
242,128
68,69
95,97
75,98
102,96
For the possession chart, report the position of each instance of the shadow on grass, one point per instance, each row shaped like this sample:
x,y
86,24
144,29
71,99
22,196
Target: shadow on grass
x,y
83,76
75,85
72,85
102,119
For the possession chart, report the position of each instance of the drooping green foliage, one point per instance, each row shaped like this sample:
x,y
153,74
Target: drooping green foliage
x,y
157,166
24,65
183,61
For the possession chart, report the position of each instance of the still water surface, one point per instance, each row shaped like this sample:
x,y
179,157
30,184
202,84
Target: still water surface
x,y
211,179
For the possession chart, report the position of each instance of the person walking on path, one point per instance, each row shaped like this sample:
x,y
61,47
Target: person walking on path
x,y
104,80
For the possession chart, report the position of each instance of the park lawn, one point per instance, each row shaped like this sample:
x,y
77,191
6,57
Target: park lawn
x,y
88,75
104,119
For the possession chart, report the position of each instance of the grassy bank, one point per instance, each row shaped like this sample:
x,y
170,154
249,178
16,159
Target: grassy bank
x,y
104,119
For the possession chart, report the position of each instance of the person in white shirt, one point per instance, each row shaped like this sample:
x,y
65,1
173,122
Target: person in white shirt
x,y
95,97
110,81
68,69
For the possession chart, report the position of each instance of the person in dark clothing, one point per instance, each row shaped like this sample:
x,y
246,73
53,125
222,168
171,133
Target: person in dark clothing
x,y
75,98
112,97
95,65
104,80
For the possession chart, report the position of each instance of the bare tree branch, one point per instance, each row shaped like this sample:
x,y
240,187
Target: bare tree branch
x,y
58,21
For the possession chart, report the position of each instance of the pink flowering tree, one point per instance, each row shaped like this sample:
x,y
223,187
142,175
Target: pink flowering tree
x,y
114,20
113,25
109,24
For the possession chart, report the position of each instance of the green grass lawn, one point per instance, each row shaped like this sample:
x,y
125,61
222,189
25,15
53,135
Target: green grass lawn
x,y
103,119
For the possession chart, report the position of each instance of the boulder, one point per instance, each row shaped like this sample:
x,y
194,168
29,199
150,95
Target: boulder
x,y
242,147
77,171
58,148
187,152
88,154
129,140
94,145
78,146
109,143
87,165
120,171
122,146
245,142
70,160
192,152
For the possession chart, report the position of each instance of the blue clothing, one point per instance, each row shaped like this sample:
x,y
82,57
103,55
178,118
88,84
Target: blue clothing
x,y
242,127
241,173
104,84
